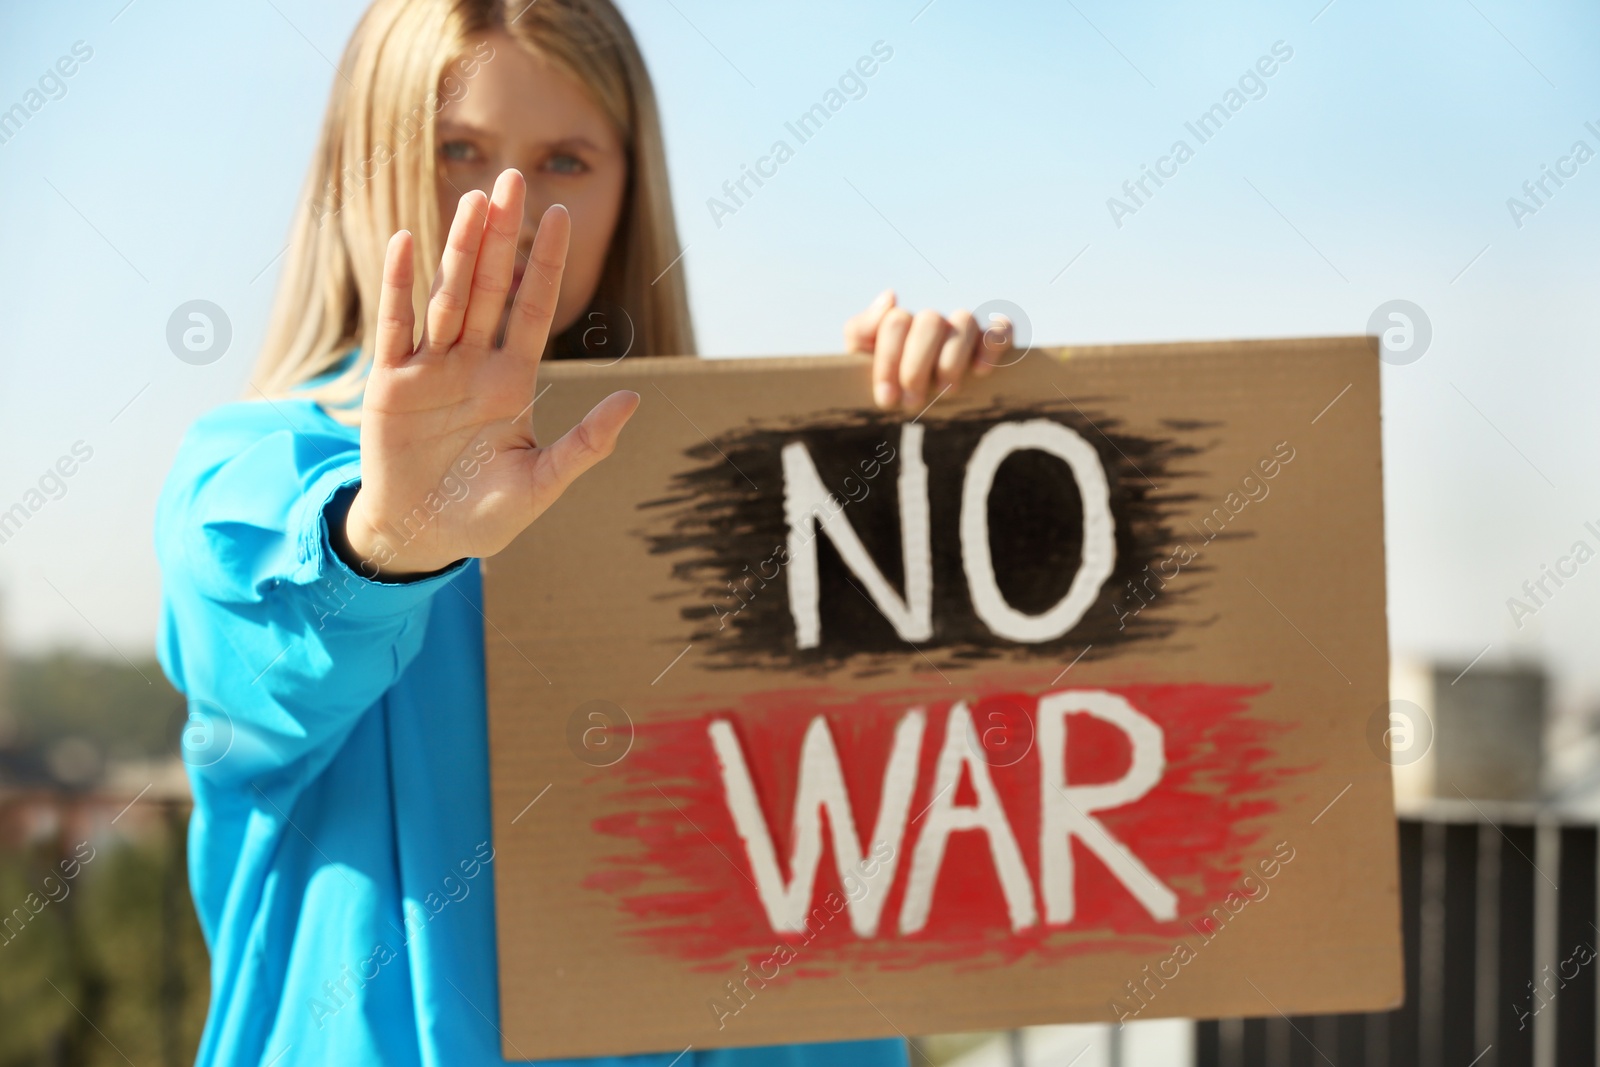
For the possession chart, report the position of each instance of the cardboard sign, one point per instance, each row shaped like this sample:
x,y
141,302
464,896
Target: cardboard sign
x,y
1049,704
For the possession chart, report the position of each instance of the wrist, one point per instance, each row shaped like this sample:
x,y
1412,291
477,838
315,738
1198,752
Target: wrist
x,y
364,546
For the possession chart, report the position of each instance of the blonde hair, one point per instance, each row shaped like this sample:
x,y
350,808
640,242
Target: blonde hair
x,y
373,174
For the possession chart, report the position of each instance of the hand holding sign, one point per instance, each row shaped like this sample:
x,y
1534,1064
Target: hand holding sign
x,y
455,409
913,354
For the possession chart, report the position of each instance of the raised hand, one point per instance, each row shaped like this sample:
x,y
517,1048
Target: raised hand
x,y
916,357
449,465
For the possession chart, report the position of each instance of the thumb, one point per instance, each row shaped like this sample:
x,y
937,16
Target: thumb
x,y
861,329
560,464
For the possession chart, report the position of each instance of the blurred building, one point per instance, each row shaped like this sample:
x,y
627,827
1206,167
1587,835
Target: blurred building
x,y
1469,731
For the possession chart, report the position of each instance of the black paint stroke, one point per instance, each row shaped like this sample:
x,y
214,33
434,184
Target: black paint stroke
x,y
724,526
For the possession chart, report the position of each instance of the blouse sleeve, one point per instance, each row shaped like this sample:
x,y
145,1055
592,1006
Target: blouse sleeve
x,y
279,646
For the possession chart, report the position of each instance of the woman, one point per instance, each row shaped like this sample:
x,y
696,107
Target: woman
x,y
322,599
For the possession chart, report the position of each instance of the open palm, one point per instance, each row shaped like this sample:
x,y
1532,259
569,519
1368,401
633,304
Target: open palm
x,y
449,464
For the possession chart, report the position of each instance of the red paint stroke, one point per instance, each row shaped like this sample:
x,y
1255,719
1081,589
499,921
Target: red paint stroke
x,y
684,881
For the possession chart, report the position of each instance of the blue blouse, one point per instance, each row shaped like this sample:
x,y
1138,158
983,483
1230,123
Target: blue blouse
x,y
339,851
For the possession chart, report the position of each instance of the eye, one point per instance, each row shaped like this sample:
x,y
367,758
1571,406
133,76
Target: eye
x,y
566,164
458,152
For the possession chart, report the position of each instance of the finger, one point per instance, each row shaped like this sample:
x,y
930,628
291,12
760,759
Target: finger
x,y
958,351
396,318
926,337
535,308
491,276
861,329
994,346
447,307
886,356
561,464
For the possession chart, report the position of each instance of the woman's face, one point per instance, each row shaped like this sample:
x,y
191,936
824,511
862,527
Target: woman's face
x,y
522,111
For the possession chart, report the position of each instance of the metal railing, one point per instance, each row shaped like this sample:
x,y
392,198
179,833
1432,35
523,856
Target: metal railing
x,y
1499,914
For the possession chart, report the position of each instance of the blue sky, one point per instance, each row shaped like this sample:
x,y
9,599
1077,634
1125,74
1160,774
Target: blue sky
x,y
977,166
